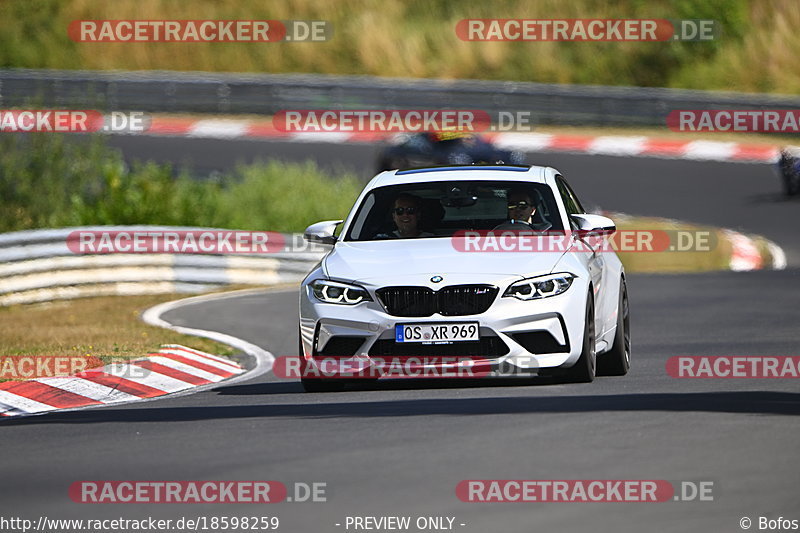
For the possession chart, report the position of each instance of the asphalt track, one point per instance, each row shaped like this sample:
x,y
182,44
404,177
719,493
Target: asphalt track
x,y
401,448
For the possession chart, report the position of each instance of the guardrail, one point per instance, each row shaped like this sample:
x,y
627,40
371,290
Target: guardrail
x,y
37,265
198,92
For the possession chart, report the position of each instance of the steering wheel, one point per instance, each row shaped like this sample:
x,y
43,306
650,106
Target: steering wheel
x,y
514,225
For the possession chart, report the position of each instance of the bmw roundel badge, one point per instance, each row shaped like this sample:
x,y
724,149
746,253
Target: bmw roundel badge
x,y
437,279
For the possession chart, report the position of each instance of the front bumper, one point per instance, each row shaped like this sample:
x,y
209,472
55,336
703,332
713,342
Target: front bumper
x,y
516,336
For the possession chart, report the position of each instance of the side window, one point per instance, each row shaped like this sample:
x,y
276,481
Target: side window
x,y
571,202
574,197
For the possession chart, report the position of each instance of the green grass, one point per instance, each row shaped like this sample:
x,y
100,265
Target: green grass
x,y
757,51
47,181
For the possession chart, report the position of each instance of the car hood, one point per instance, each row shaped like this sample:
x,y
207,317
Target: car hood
x,y
415,261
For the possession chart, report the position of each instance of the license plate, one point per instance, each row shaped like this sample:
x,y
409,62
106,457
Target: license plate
x,y
437,333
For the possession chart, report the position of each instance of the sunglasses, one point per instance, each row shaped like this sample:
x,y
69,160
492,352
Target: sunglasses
x,y
401,210
520,205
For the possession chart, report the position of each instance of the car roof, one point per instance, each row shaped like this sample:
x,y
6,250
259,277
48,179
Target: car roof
x,y
530,174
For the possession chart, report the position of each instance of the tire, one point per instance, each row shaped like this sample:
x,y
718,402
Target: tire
x,y
317,384
791,183
617,361
584,370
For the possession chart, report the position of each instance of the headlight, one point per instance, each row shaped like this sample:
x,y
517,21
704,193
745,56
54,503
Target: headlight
x,y
540,287
334,292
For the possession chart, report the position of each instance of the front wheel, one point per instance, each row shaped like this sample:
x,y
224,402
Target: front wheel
x,y
617,361
584,370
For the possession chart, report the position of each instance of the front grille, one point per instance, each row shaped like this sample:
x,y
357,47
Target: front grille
x,y
466,299
490,347
455,300
408,301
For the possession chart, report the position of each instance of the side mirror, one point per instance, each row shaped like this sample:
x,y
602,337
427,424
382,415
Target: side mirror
x,y
322,232
594,224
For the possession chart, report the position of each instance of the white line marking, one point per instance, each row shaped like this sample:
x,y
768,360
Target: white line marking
x,y
147,377
23,404
263,359
524,141
611,145
200,353
778,256
89,389
183,367
713,150
321,137
218,129
204,360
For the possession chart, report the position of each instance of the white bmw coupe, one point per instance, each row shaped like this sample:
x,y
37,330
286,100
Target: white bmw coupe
x,y
449,265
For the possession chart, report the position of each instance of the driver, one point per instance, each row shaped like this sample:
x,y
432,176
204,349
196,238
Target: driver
x,y
406,214
522,210
520,207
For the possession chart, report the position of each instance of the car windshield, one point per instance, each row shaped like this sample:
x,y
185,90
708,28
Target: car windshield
x,y
443,208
